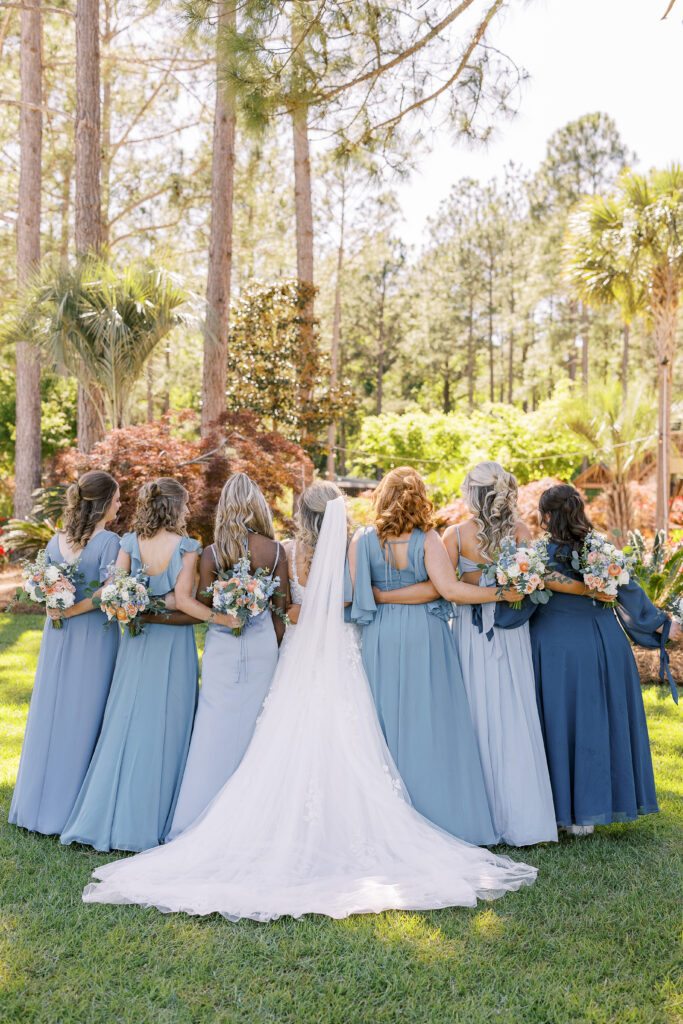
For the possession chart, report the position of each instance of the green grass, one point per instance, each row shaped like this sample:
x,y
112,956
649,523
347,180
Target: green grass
x,y
596,939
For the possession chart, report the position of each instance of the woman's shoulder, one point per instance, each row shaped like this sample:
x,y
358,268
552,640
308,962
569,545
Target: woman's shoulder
x,y
188,544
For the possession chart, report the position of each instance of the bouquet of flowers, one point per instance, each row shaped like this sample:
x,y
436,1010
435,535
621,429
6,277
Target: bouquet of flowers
x,y
520,568
126,597
603,566
244,594
49,583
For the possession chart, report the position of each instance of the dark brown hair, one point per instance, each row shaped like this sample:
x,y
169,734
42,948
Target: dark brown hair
x,y
161,506
563,515
401,504
87,502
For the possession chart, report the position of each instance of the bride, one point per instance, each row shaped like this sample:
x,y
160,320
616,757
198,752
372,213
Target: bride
x,y
316,818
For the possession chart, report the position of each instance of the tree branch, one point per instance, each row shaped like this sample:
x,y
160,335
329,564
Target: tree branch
x,y
54,10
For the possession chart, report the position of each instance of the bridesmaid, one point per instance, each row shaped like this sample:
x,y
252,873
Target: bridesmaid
x,y
587,685
236,671
75,667
129,794
411,660
497,667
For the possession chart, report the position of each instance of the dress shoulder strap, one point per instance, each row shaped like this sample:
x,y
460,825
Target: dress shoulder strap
x,y
294,572
277,559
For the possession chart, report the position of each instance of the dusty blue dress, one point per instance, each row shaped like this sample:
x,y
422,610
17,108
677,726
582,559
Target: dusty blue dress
x,y
590,701
498,675
70,691
411,661
129,795
236,676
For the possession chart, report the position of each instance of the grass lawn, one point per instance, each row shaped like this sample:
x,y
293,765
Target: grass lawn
x,y
596,939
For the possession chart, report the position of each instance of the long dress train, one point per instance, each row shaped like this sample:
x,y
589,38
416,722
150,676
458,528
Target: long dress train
x,y
316,818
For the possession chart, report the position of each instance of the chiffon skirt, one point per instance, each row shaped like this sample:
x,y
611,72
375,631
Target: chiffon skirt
x,y
236,676
498,674
592,714
73,677
129,795
412,665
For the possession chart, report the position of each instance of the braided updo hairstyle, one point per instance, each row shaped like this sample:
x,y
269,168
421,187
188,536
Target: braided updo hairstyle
x,y
491,493
401,504
563,515
87,502
161,505
310,514
241,507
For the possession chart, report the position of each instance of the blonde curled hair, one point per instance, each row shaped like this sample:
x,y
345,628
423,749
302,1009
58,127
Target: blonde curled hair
x,y
241,507
87,502
161,505
310,514
491,493
401,504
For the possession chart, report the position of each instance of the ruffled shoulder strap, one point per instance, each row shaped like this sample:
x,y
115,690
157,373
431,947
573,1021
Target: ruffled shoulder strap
x,y
185,544
416,555
129,544
108,553
363,607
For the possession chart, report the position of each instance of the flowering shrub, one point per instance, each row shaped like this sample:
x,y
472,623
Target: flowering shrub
x,y
171,447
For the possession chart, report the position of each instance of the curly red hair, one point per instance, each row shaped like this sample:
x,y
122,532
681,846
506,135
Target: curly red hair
x,y
401,504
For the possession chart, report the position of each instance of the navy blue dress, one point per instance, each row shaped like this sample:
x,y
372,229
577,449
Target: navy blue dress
x,y
590,702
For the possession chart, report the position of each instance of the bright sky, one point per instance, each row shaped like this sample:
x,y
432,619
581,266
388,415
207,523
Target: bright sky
x,y
582,55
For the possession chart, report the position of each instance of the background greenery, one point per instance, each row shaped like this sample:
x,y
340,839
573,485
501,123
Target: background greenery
x,y
592,942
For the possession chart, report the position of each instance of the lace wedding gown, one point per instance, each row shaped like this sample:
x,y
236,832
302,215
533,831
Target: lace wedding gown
x,y
316,818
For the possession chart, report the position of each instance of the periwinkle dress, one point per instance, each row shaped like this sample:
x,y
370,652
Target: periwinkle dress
x,y
129,795
498,674
73,677
411,662
236,676
590,701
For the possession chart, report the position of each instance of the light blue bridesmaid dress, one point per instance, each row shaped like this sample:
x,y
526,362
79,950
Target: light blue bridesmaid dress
x,y
129,795
73,677
236,676
411,661
498,674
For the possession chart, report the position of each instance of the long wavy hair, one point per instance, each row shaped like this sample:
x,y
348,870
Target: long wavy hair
x,y
491,493
87,502
241,507
161,505
400,504
563,515
309,516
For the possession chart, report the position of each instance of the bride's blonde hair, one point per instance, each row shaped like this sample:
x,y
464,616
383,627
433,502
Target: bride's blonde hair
x,y
241,507
491,493
310,513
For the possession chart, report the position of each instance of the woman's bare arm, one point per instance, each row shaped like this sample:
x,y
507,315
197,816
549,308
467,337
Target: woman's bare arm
x,y
442,575
185,602
417,593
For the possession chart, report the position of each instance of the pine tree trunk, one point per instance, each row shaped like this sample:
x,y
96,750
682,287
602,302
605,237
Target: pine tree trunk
x,y
380,351
87,172
619,512
214,376
303,208
28,441
584,347
665,292
626,332
491,375
334,354
470,355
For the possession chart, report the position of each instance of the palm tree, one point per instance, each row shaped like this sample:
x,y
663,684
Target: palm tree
x,y
600,277
619,431
636,234
96,323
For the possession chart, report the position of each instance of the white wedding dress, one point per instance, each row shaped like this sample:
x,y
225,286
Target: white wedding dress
x,y
316,818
